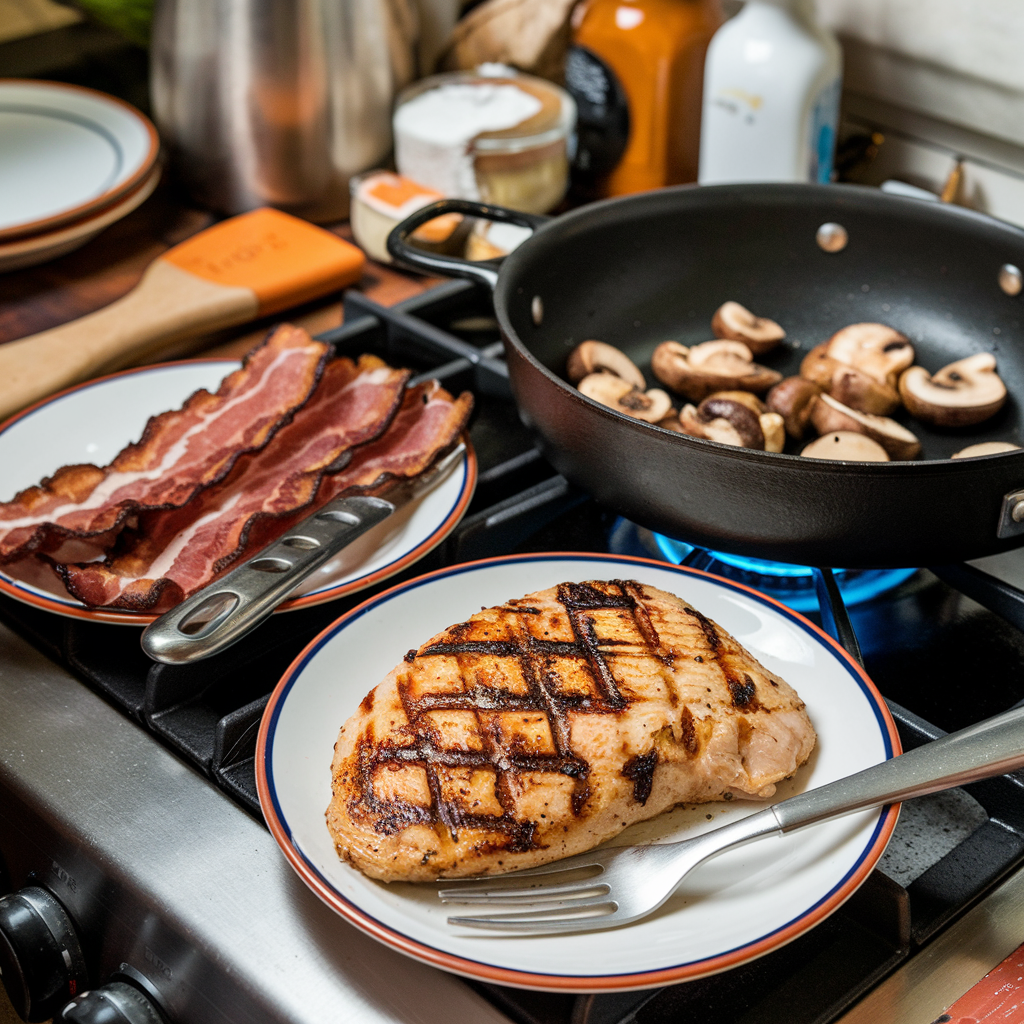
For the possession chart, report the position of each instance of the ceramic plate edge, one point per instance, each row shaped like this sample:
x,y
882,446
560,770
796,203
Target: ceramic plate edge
x,y
94,205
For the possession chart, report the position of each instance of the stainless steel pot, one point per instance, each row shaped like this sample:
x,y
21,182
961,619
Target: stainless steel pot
x,y
278,102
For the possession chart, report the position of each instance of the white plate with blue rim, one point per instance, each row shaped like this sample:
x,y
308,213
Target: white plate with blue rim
x,y
745,903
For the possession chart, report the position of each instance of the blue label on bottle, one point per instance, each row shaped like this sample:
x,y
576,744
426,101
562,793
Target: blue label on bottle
x,y
823,127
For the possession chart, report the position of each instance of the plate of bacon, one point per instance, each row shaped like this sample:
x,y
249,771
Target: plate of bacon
x,y
146,509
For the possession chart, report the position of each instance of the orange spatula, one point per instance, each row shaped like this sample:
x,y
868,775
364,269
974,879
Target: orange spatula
x,y
245,267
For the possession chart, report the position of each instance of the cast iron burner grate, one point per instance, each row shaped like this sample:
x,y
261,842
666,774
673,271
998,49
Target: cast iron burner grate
x,y
920,642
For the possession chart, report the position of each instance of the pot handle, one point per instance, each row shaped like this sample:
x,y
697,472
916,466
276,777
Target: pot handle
x,y
484,272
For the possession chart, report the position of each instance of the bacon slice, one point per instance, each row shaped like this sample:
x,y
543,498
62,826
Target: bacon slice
x,y
174,553
180,453
427,426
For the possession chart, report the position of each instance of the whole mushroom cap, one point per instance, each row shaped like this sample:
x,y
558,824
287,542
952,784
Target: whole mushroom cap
x,y
793,399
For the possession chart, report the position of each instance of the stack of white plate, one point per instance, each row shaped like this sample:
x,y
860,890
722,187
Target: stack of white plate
x,y
72,161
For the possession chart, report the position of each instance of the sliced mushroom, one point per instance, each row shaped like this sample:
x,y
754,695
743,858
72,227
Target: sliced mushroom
x,y
793,400
737,323
877,349
830,416
973,451
712,366
751,401
847,384
959,395
671,422
847,446
725,421
593,356
620,395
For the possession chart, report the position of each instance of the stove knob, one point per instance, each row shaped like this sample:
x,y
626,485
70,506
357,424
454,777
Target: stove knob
x,y
115,1003
40,959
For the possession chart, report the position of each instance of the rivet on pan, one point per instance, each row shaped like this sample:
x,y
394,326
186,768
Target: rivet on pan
x,y
1011,280
537,310
1017,515
832,237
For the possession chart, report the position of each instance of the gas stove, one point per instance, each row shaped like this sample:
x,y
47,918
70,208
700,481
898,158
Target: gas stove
x,y
128,808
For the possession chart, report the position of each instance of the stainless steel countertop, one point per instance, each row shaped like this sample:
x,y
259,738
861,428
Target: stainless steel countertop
x,y
161,870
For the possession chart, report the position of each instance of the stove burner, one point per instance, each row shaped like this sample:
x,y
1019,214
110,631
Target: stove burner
x,y
793,585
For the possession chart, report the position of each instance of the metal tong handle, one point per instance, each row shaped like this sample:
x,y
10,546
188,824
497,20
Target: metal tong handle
x,y
992,747
218,615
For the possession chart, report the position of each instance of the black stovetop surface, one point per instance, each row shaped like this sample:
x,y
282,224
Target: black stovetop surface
x,y
943,661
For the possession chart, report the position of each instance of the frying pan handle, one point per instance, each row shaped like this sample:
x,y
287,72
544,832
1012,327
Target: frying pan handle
x,y
484,272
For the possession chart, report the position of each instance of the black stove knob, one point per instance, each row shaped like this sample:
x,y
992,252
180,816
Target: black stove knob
x,y
115,1003
40,959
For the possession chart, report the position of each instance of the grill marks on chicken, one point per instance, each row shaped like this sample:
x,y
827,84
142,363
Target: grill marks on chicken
x,y
541,728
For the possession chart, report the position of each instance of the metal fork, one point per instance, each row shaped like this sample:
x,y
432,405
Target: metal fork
x,y
626,883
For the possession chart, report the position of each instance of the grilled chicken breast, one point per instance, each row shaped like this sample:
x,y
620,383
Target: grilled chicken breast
x,y
541,728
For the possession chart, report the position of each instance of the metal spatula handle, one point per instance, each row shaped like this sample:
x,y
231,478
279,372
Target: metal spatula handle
x,y
992,747
223,612
220,614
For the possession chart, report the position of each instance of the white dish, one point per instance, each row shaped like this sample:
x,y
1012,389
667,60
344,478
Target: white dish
x,y
49,245
739,906
65,152
93,422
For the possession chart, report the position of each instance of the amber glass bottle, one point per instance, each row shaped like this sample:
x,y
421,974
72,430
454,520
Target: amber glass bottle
x,y
636,71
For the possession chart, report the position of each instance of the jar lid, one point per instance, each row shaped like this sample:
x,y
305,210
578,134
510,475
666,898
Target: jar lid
x,y
553,120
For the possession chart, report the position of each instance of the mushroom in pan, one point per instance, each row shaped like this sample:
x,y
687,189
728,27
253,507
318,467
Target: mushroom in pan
x,y
830,416
959,395
734,418
712,366
847,446
734,322
793,399
594,356
618,394
878,350
973,451
849,384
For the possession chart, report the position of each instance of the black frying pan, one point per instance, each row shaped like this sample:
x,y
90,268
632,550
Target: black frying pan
x,y
641,269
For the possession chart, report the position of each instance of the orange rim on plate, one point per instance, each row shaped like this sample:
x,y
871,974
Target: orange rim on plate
x,y
97,203
83,229
481,970
21,591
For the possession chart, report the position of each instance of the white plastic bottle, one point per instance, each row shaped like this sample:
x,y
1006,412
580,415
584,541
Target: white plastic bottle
x,y
772,82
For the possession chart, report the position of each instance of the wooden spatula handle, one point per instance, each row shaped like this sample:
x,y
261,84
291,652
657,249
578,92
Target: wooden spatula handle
x,y
167,305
